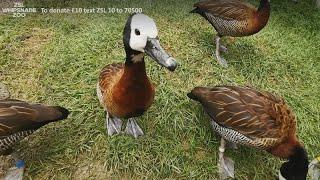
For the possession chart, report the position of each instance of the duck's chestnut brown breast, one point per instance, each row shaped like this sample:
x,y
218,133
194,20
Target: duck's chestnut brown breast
x,y
132,98
127,91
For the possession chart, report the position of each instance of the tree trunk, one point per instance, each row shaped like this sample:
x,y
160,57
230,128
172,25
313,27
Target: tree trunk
x,y
318,3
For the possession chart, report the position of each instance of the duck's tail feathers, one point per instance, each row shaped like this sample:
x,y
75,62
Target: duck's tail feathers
x,y
64,112
195,10
192,96
48,114
196,93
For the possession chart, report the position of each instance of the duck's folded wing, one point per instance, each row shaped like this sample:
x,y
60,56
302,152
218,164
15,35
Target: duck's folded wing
x,y
15,118
244,110
108,74
227,9
18,116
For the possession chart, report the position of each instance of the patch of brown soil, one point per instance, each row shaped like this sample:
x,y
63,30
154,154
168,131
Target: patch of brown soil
x,y
32,43
5,164
25,72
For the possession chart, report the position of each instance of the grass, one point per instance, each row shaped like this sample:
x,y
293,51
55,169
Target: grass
x,y
56,59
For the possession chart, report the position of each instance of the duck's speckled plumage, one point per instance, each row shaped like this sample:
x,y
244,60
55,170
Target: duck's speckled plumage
x,y
246,116
234,18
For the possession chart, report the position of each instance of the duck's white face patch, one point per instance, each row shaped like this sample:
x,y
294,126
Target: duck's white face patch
x,y
142,28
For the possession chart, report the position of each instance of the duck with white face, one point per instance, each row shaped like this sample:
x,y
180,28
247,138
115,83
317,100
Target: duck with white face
x,y
141,35
124,90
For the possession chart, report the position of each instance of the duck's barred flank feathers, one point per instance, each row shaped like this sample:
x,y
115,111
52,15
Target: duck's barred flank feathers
x,y
228,27
238,138
8,141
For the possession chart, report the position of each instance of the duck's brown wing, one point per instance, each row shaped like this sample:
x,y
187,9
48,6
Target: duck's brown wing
x,y
247,111
227,9
109,74
17,116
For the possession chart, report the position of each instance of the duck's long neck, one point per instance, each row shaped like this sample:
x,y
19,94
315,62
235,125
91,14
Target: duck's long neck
x,y
134,70
263,14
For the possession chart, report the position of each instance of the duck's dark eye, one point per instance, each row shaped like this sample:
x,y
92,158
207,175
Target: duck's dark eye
x,y
137,32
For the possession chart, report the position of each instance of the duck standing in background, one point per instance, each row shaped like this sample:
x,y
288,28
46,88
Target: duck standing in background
x,y
234,18
243,115
124,90
19,119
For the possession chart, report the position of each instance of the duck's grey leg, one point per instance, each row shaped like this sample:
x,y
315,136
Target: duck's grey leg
x,y
133,128
220,60
113,124
16,172
231,145
226,165
221,47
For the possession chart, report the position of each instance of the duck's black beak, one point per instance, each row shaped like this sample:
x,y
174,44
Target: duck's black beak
x,y
156,52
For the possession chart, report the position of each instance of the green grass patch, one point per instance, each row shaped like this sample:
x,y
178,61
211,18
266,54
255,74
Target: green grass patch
x,y
56,59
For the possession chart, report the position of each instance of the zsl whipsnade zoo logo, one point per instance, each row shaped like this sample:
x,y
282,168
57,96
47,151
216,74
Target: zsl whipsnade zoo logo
x,y
19,10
